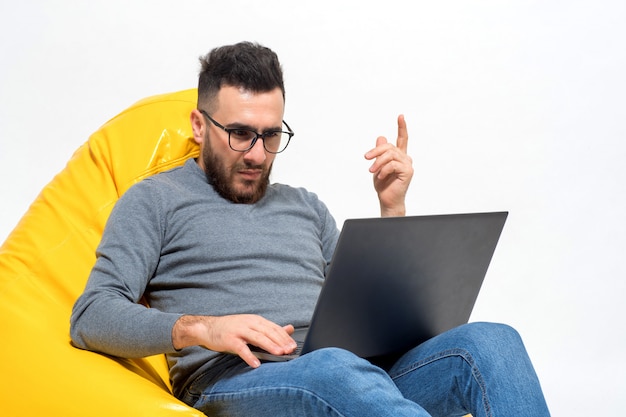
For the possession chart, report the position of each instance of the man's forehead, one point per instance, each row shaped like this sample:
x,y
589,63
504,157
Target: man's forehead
x,y
244,106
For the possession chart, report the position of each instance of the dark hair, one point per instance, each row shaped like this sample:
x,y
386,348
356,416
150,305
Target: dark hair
x,y
247,65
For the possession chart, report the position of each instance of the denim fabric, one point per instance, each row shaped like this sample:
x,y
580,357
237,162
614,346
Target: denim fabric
x,y
478,368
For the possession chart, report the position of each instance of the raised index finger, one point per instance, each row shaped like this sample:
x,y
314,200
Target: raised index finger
x,y
403,134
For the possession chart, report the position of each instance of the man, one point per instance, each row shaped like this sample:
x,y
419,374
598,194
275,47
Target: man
x,y
225,259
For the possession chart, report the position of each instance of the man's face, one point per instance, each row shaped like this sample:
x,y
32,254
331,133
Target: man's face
x,y
241,177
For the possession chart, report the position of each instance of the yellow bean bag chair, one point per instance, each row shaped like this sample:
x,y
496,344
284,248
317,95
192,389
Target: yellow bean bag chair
x,y
45,262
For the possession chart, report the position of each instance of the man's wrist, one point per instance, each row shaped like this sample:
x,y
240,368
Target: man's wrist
x,y
397,211
186,330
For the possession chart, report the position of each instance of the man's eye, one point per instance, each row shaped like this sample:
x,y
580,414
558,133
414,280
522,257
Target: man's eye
x,y
270,135
241,134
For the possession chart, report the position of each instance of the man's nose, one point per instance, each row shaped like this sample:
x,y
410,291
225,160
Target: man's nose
x,y
256,154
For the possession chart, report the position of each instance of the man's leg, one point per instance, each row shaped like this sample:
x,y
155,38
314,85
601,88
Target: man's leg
x,y
326,382
478,368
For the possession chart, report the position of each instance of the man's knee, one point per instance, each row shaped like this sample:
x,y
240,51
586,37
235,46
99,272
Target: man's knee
x,y
491,345
484,334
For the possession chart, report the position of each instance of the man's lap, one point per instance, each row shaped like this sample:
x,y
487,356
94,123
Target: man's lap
x,y
443,375
323,382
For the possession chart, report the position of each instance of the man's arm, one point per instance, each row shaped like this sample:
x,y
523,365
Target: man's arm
x,y
107,317
392,171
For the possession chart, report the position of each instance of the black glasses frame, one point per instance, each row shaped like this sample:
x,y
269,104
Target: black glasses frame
x,y
257,135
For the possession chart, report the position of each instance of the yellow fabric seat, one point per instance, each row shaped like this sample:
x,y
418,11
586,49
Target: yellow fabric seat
x,y
45,263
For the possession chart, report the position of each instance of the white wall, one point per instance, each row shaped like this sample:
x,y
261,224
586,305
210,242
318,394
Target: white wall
x,y
514,105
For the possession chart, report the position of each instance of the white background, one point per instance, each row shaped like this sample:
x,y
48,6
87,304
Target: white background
x,y
511,105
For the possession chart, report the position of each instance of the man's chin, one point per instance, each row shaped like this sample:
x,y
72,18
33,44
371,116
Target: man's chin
x,y
249,192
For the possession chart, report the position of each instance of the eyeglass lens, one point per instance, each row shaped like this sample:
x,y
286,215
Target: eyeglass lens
x,y
242,140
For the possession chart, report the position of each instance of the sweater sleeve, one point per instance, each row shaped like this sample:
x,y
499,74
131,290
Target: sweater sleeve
x,y
107,317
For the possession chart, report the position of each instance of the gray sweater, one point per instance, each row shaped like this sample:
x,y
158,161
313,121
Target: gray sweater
x,y
174,241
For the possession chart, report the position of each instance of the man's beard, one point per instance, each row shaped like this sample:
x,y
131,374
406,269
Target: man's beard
x,y
222,178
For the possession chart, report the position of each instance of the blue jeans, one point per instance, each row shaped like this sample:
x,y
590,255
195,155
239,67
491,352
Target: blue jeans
x,y
478,368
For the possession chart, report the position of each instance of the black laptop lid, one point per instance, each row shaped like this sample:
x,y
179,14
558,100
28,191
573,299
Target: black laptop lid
x,y
396,282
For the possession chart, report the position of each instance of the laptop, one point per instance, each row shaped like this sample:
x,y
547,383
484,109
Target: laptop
x,y
396,282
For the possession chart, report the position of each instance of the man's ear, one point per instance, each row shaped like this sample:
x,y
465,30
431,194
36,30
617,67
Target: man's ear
x,y
198,126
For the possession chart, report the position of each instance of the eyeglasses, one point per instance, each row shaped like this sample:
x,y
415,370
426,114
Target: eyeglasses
x,y
242,139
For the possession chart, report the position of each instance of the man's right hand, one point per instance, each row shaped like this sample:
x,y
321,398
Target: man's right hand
x,y
232,334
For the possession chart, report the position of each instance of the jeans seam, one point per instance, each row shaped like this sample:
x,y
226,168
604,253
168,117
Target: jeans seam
x,y
223,395
467,358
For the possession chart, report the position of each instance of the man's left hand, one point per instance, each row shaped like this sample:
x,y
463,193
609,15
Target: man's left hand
x,y
392,170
